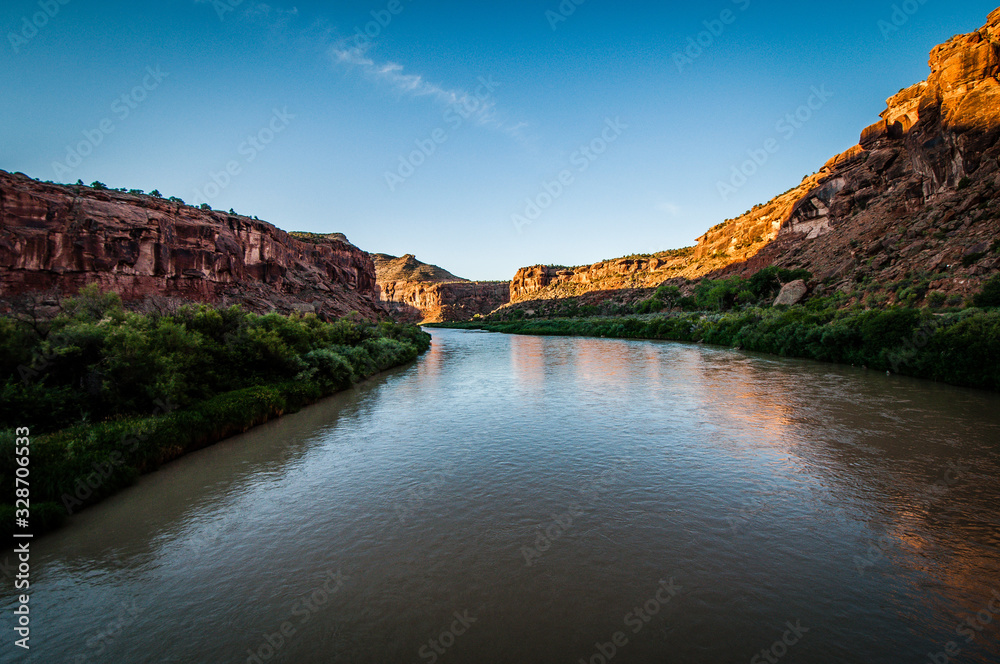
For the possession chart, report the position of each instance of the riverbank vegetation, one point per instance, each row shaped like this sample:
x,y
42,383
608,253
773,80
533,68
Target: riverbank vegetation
x,y
956,345
110,394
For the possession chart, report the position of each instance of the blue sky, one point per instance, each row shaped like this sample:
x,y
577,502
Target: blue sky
x,y
435,134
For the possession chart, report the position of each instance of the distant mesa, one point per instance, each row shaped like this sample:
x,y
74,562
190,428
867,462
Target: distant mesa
x,y
408,268
425,293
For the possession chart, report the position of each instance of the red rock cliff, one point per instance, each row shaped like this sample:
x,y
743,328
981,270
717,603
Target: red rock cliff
x,y
919,193
427,293
56,237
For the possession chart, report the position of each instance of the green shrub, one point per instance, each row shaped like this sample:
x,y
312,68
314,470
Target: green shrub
x,y
95,361
972,259
652,305
936,300
989,296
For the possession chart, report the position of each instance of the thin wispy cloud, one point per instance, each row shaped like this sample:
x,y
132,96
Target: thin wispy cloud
x,y
479,105
670,208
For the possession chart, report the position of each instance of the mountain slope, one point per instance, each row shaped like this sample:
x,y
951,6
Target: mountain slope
x,y
917,196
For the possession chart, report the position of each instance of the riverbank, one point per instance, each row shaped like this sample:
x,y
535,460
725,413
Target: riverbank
x,y
960,348
108,395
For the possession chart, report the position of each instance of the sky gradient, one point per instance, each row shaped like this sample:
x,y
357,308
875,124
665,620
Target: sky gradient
x,y
436,132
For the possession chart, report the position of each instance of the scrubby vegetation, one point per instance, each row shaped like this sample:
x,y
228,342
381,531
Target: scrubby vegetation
x,y
723,294
955,345
109,394
990,295
958,348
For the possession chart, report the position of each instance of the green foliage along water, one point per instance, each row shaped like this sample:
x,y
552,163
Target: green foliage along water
x,y
956,346
109,394
960,348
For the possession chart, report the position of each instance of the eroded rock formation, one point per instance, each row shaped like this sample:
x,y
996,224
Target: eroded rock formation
x,y
918,194
420,292
57,238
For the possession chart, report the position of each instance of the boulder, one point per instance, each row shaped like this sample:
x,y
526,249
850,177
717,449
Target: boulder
x,y
792,293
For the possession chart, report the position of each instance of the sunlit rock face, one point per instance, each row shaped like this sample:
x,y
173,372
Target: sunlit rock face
x,y
919,193
59,238
420,292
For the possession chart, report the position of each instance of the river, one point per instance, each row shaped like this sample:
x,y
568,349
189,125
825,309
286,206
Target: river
x,y
523,499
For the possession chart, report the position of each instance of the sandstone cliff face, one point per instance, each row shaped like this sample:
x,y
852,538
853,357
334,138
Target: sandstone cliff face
x,y
446,302
425,293
60,238
919,193
546,282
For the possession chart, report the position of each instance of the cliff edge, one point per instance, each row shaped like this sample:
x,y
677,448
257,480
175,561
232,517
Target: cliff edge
x,y
55,239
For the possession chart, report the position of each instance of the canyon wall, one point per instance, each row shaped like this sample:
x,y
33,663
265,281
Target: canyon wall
x,y
56,239
424,293
445,302
919,193
921,190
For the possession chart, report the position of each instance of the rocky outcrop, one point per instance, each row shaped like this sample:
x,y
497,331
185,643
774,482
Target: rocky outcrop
x,y
447,302
635,272
918,195
389,269
56,238
425,293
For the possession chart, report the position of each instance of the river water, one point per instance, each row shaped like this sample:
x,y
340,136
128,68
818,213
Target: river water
x,y
522,499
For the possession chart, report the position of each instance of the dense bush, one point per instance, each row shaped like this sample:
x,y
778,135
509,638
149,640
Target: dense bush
x,y
109,394
96,361
990,295
961,348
